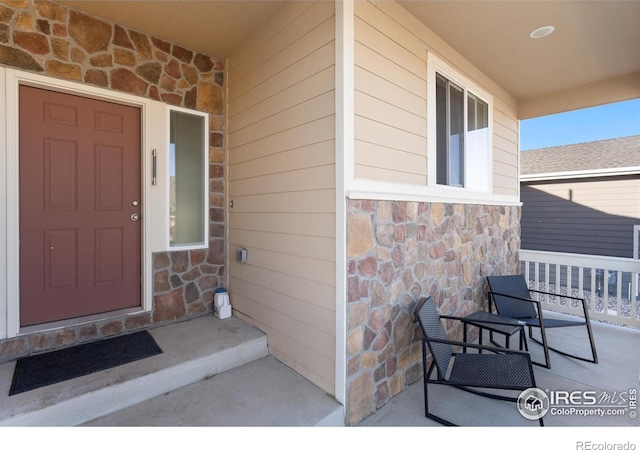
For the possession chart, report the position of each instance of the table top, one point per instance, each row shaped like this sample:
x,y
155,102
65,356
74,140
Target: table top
x,y
506,325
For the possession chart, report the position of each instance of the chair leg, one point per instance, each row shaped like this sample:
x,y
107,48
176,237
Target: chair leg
x,y
425,379
547,347
464,336
425,376
592,342
523,341
543,342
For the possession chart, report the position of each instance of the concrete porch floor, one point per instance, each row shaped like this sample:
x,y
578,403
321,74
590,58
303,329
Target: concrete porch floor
x,y
251,389
211,373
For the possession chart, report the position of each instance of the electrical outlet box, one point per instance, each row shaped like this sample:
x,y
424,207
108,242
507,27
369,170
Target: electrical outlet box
x,y
241,255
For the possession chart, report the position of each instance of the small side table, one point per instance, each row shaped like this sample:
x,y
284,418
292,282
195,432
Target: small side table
x,y
494,324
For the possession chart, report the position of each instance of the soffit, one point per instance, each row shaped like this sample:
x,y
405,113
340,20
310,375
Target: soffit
x,y
215,28
594,41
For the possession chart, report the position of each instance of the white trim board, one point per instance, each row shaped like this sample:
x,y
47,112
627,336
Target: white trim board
x,y
595,173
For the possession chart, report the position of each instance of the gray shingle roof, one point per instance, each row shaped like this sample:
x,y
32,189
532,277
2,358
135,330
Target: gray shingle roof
x,y
608,154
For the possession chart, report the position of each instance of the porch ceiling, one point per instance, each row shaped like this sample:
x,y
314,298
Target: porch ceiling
x,y
593,57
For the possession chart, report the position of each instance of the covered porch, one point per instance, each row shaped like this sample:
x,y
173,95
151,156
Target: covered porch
x,y
260,391
321,109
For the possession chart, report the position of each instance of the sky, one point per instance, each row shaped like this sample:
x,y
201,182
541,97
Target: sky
x,y
585,125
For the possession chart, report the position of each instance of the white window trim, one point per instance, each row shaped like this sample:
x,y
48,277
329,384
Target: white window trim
x,y
4,276
154,215
437,65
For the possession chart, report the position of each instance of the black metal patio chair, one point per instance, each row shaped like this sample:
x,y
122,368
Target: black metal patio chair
x,y
512,298
501,368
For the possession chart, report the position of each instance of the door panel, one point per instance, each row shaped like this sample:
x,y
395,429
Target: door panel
x,y
80,252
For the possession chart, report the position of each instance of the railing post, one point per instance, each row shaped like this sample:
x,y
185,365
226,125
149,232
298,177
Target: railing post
x,y
593,289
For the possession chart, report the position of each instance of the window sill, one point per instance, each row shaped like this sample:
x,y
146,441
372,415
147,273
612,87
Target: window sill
x,y
362,189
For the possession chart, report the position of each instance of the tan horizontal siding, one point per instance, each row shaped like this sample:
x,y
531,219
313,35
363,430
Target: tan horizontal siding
x,y
377,17
505,157
391,48
305,355
307,362
298,180
307,246
290,96
503,183
296,267
281,179
312,29
297,51
303,290
373,38
306,67
303,224
313,155
379,111
314,316
316,108
617,196
391,176
314,201
321,130
377,156
388,136
506,133
376,63
253,44
389,92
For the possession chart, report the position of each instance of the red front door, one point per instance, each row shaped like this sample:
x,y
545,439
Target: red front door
x,y
79,193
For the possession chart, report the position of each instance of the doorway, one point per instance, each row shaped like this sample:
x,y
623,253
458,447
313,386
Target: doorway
x,y
80,206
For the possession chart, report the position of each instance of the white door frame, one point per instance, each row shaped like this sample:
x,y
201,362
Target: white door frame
x,y
154,216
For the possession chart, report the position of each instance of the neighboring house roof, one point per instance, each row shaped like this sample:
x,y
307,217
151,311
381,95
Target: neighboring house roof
x,y
598,158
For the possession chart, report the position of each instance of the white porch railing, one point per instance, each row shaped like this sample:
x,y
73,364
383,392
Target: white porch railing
x,y
608,285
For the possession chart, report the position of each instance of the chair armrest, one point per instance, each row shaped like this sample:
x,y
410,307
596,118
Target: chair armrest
x,y
556,295
584,303
513,296
476,346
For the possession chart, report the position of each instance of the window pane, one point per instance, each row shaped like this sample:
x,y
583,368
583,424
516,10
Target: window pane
x,y
187,179
471,113
477,145
456,136
477,113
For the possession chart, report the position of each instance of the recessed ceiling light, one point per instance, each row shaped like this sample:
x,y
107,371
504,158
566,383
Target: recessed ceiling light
x,y
542,32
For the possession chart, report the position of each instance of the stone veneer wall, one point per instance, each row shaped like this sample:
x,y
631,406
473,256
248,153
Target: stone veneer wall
x,y
54,40
399,252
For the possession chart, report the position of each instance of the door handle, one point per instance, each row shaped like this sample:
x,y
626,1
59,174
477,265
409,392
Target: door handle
x,y
135,217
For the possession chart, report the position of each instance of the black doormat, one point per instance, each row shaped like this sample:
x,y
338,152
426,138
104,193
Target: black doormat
x,y
37,371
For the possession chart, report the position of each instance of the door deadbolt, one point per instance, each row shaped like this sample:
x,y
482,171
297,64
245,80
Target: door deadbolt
x,y
135,203
135,217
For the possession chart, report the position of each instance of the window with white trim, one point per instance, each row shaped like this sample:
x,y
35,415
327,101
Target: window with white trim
x,y
187,179
461,115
